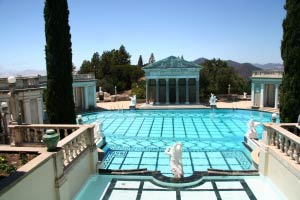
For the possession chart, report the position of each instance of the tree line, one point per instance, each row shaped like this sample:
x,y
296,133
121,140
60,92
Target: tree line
x,y
114,68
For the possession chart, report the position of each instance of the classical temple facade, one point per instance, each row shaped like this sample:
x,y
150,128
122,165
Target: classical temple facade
x,y
30,95
265,87
172,81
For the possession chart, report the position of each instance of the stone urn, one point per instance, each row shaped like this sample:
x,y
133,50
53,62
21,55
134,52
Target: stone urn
x,y
50,139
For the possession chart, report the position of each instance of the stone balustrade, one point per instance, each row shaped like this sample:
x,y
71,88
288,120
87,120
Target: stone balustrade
x,y
76,143
286,142
31,135
269,74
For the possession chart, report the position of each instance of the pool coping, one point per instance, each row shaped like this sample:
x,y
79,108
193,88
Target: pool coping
x,y
188,181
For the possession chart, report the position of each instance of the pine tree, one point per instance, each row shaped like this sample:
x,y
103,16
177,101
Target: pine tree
x,y
123,57
151,59
140,62
59,95
290,53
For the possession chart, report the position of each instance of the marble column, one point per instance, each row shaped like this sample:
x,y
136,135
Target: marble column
x,y
252,93
177,91
276,96
94,96
40,110
157,91
262,87
86,98
147,83
197,90
187,91
27,111
167,91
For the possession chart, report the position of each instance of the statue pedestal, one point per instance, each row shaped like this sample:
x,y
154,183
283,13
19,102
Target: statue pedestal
x,y
132,107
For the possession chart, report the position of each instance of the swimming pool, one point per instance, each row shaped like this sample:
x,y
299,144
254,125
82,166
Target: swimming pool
x,y
211,138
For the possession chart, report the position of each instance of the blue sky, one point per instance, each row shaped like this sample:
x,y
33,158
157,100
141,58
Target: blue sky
x,y
241,30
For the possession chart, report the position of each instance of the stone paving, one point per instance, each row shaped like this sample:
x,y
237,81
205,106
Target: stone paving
x,y
233,105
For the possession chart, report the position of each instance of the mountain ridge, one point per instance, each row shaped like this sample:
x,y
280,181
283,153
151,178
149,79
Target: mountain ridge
x,y
245,69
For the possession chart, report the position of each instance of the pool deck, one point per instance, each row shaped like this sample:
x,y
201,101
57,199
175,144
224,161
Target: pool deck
x,y
231,105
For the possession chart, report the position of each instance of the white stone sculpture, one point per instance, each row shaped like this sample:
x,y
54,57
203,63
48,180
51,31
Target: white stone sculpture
x,y
98,132
212,100
100,91
175,153
252,133
79,119
245,95
133,100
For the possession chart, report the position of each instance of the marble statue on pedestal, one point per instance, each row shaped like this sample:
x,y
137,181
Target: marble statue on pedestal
x,y
212,100
98,132
175,153
252,133
133,102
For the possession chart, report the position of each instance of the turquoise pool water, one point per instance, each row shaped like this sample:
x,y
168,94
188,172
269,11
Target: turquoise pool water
x,y
211,138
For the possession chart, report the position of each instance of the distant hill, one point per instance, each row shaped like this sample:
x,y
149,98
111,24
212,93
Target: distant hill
x,y
268,66
200,61
243,69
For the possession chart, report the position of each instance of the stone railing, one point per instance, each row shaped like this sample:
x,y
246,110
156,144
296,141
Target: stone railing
x,y
77,138
286,142
76,143
31,135
83,76
267,74
63,171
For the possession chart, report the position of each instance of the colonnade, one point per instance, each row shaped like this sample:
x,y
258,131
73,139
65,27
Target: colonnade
x,y
84,96
167,80
262,94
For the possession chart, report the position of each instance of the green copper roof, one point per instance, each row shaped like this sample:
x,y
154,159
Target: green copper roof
x,y
172,62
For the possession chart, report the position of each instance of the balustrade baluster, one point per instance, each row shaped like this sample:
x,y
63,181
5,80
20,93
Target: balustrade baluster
x,y
76,147
274,138
64,157
35,136
286,146
277,140
281,143
67,152
79,142
291,150
65,132
71,150
296,153
27,135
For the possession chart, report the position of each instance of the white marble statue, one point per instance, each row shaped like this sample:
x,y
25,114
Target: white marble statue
x,y
245,95
133,100
79,119
98,132
175,153
212,99
252,133
100,91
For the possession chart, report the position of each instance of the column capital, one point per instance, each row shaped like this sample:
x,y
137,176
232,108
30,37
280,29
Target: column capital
x,y
26,100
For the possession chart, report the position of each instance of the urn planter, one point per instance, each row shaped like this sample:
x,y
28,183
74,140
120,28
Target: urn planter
x,y
50,139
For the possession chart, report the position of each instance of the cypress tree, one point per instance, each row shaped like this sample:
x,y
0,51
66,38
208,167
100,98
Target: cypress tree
x,y
290,53
59,93
140,61
151,59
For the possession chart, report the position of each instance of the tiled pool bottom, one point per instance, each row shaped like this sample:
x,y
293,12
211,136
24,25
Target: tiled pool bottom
x,y
210,138
108,187
192,161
